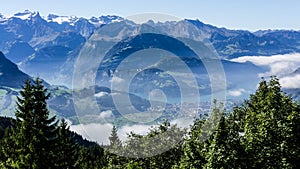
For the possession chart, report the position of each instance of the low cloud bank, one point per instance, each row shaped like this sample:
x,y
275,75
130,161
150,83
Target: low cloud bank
x,y
94,132
290,82
101,132
280,65
106,114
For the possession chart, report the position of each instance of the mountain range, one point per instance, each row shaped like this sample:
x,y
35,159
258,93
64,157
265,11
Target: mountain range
x,y
48,47
31,40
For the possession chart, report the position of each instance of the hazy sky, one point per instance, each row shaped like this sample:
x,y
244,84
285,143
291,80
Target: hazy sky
x,y
234,14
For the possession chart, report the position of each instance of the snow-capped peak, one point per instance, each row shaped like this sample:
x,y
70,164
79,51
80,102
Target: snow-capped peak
x,y
26,15
71,20
105,19
61,19
96,21
3,19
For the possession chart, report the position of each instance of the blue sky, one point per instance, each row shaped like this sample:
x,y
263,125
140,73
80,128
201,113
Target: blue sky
x,y
234,14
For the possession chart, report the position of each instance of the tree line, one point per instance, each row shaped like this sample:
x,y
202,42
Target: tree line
x,y
263,132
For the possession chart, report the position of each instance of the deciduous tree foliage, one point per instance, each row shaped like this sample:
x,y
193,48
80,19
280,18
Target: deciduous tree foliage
x,y
261,133
272,128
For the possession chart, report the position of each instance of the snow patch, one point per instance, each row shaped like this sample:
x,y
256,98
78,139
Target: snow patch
x,y
61,19
26,15
101,94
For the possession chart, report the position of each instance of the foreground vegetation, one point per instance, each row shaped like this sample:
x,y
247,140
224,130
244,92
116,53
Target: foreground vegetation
x,y
264,132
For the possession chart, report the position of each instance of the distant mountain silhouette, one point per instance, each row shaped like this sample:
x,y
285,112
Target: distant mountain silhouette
x,y
10,75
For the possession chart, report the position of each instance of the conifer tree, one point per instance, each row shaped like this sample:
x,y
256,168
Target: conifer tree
x,y
30,143
66,150
115,148
114,141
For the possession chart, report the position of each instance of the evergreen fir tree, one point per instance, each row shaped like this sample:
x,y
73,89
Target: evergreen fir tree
x,y
30,143
114,141
115,148
66,148
92,157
